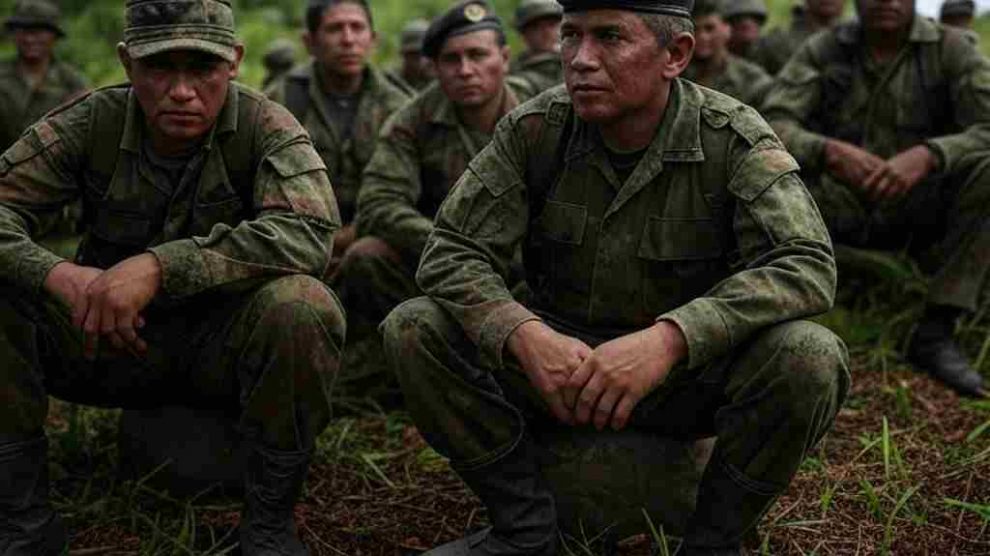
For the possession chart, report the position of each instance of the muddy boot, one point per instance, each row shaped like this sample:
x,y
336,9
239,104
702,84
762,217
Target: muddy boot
x,y
933,349
272,484
29,525
520,509
726,510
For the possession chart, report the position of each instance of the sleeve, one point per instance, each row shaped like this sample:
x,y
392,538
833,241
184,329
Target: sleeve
x,y
291,231
786,271
37,179
391,188
789,107
478,229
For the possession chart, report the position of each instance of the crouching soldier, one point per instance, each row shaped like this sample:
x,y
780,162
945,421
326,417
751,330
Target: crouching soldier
x,y
671,250
207,214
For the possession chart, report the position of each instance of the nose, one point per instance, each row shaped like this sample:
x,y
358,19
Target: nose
x,y
465,68
585,57
182,89
347,36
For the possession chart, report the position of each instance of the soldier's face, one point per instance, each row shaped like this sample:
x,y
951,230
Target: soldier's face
x,y
825,9
542,35
711,36
961,21
471,68
181,92
745,31
885,16
343,41
614,66
34,44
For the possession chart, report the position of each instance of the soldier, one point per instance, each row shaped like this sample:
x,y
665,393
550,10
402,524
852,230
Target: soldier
x,y
340,99
776,48
34,82
415,72
670,248
890,120
714,66
208,212
423,149
538,21
746,17
957,13
278,60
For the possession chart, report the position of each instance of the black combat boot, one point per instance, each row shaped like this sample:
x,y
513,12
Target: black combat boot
x,y
934,349
28,524
520,508
272,484
728,506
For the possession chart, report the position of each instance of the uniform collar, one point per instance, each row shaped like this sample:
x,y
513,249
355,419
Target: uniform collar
x,y
923,30
134,124
446,113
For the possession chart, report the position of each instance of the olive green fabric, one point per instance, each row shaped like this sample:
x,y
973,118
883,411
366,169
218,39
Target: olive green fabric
x,y
154,26
935,93
776,47
739,78
543,70
21,104
345,159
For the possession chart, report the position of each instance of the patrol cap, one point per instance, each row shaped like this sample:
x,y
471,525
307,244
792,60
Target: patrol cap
x,y
681,8
281,53
737,8
36,14
154,26
533,10
958,8
706,7
463,17
412,35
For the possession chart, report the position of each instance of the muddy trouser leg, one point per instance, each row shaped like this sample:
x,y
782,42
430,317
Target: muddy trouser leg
x,y
371,281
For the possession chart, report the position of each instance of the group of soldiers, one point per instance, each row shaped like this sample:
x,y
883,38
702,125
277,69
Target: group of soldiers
x,y
630,249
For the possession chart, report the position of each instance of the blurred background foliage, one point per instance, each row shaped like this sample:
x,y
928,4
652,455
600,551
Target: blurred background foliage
x,y
95,26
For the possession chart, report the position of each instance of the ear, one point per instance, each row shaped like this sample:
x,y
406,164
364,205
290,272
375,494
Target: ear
x,y
679,51
125,59
506,54
309,41
238,57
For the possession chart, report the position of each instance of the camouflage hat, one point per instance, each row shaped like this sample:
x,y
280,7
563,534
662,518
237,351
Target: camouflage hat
x,y
958,8
704,8
40,14
412,35
154,26
533,10
463,17
281,54
737,8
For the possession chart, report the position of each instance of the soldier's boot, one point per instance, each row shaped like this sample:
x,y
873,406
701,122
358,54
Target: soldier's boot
x,y
273,482
728,506
520,508
28,523
933,349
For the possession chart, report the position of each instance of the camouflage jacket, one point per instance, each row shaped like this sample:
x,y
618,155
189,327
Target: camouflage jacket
x,y
740,79
776,48
422,152
542,70
713,230
21,106
262,205
345,159
935,92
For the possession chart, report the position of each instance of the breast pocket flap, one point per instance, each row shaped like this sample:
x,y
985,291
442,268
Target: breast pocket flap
x,y
563,222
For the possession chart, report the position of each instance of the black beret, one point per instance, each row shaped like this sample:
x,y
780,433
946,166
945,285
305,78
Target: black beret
x,y
463,17
680,8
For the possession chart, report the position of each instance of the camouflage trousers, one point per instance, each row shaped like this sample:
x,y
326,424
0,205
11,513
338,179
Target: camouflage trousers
x,y
372,279
768,402
268,356
943,223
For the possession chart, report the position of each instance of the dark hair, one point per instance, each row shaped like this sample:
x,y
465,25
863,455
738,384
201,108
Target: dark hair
x,y
316,8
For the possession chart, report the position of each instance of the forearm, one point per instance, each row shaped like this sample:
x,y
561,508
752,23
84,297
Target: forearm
x,y
25,263
386,212
950,150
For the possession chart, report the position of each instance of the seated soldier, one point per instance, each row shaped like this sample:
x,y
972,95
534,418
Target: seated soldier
x,y
670,248
959,14
278,60
890,121
746,17
207,214
340,99
714,66
775,48
422,151
415,72
538,21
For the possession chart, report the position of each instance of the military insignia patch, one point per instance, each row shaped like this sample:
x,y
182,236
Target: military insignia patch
x,y
474,12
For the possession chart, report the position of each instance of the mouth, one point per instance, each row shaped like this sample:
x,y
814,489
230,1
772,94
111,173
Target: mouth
x,y
586,88
182,116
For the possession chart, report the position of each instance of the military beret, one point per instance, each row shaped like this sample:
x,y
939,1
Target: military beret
x,y
154,26
40,14
958,7
532,10
737,8
680,8
463,17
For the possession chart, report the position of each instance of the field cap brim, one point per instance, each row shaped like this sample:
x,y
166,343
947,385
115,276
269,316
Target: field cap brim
x,y
150,48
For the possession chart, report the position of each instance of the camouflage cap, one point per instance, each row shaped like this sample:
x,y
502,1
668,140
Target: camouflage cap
x,y
36,14
154,26
958,8
737,8
412,35
533,10
281,53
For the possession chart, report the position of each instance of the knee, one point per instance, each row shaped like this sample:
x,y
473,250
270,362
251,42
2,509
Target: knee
x,y
811,363
411,328
364,257
298,304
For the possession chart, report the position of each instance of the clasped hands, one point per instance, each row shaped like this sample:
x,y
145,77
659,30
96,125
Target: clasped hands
x,y
876,178
600,386
108,303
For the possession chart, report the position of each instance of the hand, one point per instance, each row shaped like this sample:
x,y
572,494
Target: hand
x,y
343,239
548,358
850,164
115,300
899,175
68,283
620,373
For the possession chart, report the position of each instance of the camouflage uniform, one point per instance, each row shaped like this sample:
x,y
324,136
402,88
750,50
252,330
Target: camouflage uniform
x,y
345,158
739,78
935,93
542,69
712,230
777,47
